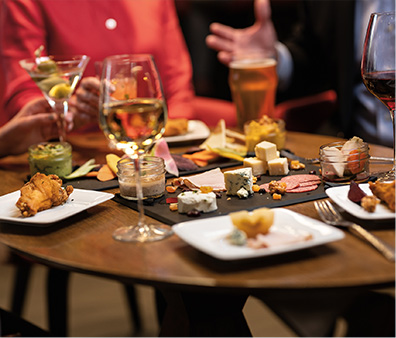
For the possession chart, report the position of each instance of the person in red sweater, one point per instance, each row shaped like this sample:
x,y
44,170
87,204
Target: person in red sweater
x,y
97,29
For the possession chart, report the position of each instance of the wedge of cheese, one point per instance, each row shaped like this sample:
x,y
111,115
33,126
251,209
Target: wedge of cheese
x,y
239,178
196,200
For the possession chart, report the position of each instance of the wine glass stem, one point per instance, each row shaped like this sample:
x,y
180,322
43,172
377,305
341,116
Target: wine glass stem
x,y
61,108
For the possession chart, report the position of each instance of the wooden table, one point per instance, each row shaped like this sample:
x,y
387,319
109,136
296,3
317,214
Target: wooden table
x,y
205,294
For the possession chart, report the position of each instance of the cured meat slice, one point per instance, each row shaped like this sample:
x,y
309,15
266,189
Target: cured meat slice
x,y
306,188
213,178
301,178
307,183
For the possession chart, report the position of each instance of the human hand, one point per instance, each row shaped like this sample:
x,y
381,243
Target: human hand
x,y
34,123
259,38
85,102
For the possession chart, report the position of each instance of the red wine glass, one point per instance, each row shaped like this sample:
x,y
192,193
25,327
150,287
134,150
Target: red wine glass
x,y
378,67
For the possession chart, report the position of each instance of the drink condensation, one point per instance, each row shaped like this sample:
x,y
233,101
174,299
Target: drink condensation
x,y
253,86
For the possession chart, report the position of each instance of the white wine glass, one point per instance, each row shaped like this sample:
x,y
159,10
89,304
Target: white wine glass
x,y
132,115
57,77
378,68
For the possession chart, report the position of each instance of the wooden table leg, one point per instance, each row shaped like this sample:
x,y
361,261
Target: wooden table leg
x,y
204,315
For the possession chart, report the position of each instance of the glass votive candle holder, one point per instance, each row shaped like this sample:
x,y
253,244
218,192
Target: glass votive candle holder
x,y
339,165
152,177
50,158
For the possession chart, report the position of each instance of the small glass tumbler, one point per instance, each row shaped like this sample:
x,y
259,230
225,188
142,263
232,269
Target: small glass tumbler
x,y
152,177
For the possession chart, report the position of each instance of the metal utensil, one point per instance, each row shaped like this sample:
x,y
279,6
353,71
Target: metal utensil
x,y
331,216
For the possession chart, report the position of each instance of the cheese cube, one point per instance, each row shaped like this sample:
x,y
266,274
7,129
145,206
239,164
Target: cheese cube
x,y
278,166
237,179
196,200
265,151
258,167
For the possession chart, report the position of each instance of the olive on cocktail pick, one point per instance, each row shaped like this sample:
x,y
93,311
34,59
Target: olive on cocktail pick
x,y
45,66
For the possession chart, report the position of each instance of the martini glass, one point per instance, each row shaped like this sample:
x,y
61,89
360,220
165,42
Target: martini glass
x,y
378,68
57,78
132,115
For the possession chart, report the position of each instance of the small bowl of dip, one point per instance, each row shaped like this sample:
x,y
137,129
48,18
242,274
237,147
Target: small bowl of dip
x,y
152,177
50,158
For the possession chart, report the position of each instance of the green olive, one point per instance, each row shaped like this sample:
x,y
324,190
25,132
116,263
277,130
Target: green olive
x,y
46,84
47,66
60,91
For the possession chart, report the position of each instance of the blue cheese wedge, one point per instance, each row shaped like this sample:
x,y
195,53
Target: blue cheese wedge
x,y
258,166
239,178
278,166
266,151
196,200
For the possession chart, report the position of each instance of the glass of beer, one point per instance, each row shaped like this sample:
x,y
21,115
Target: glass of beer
x,y
253,81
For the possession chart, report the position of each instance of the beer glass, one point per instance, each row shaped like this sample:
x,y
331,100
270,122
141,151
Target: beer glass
x,y
253,81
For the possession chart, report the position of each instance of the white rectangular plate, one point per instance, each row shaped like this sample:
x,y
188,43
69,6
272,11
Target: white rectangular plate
x,y
209,235
78,201
340,196
197,130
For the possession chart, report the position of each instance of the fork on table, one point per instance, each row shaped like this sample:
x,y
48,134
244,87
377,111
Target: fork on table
x,y
330,215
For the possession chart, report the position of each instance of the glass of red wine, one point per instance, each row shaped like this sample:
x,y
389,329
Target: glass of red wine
x,y
378,67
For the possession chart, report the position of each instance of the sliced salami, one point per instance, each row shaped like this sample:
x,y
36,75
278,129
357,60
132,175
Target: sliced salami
x,y
301,178
304,188
308,183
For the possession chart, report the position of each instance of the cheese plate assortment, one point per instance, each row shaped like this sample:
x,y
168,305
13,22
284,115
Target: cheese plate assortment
x,y
159,208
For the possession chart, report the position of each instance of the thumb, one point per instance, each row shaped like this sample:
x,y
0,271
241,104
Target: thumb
x,y
262,10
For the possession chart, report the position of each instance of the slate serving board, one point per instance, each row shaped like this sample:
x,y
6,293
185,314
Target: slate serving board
x,y
92,183
159,210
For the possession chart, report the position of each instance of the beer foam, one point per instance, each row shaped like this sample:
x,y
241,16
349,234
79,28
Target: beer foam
x,y
250,63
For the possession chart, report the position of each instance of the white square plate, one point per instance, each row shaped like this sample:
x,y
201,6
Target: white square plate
x,y
340,196
197,130
78,200
209,235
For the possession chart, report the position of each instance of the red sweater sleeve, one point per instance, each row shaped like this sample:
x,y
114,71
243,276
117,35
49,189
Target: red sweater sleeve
x,y
22,32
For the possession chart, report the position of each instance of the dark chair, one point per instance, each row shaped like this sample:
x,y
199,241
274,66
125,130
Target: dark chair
x,y
57,297
309,113
12,325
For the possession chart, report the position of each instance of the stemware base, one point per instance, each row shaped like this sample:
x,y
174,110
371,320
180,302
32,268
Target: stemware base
x,y
146,233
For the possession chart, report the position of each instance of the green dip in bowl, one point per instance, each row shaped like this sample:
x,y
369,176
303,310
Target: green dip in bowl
x,y
51,158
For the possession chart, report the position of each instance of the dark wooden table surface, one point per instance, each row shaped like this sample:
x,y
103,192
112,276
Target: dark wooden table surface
x,y
187,277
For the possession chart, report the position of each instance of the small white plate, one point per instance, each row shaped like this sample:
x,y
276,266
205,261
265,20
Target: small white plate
x,y
209,235
79,200
340,196
197,130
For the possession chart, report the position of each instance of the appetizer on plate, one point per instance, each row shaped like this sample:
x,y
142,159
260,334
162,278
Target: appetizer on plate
x,y
42,192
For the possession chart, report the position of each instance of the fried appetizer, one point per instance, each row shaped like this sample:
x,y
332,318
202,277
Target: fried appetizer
x,y
385,192
42,192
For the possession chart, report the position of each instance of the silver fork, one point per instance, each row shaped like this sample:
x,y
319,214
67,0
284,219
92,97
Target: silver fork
x,y
331,216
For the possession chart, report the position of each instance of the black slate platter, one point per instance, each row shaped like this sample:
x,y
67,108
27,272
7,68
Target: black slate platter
x,y
159,209
92,183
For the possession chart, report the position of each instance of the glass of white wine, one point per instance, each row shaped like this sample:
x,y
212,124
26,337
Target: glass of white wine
x,y
132,115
